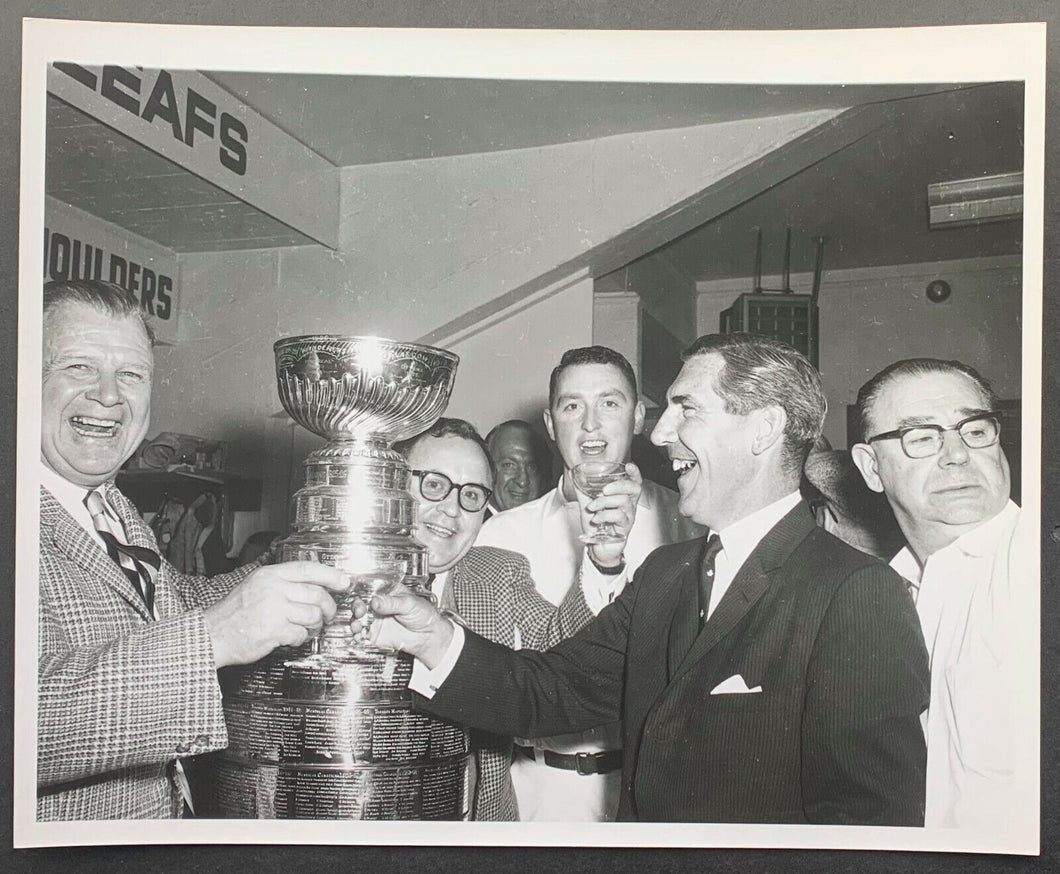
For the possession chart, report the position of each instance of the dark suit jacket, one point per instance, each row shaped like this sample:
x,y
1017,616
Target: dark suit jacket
x,y
831,636
493,592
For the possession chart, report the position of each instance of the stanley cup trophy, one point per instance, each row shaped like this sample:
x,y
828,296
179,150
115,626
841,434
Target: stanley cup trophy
x,y
327,730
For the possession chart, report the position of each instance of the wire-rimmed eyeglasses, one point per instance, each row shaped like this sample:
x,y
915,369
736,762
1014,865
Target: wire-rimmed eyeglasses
x,y
923,441
435,486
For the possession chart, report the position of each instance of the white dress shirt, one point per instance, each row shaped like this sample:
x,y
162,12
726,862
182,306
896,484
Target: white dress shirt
x,y
968,602
739,540
744,535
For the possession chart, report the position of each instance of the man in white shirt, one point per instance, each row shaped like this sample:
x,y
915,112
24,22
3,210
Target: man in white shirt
x,y
931,445
593,413
771,674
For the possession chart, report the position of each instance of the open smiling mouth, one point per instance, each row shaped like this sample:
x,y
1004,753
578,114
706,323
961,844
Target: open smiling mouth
x,y
87,426
683,465
593,447
438,532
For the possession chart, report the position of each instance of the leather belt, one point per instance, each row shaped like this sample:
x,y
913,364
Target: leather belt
x,y
585,764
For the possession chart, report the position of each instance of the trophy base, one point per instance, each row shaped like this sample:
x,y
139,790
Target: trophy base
x,y
335,736
253,790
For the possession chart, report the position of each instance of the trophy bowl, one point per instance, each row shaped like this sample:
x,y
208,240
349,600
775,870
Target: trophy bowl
x,y
360,388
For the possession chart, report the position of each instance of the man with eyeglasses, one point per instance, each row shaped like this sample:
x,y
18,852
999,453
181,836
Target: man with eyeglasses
x,y
490,590
931,445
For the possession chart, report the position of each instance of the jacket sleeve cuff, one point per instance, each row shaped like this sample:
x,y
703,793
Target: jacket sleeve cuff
x,y
599,589
426,681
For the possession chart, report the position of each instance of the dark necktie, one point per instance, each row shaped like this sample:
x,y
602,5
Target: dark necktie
x,y
138,563
706,576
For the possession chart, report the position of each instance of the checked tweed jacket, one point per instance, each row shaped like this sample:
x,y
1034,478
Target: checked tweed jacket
x,y
120,695
492,591
829,634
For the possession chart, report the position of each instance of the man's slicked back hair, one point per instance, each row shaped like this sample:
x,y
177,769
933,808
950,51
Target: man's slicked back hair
x,y
107,297
871,390
592,355
451,427
762,372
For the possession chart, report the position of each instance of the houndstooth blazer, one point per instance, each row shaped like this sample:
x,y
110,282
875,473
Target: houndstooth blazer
x,y
493,592
120,696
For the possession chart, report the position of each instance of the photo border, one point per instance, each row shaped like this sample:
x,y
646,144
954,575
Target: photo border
x,y
919,55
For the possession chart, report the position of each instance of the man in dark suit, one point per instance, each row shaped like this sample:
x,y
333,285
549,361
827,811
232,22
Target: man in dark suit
x,y
773,674
128,646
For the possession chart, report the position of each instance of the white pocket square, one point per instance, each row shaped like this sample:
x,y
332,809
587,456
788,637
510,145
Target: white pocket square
x,y
735,685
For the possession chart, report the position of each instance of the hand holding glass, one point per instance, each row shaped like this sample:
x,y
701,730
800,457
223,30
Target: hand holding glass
x,y
590,477
380,580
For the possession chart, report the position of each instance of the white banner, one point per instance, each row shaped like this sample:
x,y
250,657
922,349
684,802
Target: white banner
x,y
197,124
78,245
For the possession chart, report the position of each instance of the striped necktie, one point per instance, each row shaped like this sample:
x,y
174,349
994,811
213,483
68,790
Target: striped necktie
x,y
706,576
141,566
138,563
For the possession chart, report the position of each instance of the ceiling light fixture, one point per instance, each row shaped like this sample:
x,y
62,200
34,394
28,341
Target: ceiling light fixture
x,y
975,201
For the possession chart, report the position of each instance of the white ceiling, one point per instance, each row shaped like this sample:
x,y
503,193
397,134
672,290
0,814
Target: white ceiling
x,y
869,199
353,120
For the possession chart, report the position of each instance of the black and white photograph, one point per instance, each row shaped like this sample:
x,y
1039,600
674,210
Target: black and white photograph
x,y
598,438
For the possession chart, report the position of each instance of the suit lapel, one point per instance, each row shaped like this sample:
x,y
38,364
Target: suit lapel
x,y
69,538
751,582
684,622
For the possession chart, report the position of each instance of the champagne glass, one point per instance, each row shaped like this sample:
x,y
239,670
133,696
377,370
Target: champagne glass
x,y
590,477
335,637
380,579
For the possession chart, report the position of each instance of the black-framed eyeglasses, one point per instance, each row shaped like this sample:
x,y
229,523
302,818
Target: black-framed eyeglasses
x,y
923,441
435,486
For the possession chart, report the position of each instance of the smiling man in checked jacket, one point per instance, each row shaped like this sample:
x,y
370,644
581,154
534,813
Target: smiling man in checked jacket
x,y
129,647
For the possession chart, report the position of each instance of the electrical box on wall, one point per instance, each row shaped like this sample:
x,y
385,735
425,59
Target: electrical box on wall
x,y
791,318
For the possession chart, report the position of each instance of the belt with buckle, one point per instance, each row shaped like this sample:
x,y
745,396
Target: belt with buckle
x,y
583,763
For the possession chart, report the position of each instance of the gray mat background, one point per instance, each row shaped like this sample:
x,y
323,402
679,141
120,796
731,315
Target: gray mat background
x,y
616,14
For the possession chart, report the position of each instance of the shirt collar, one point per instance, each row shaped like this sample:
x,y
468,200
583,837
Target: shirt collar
x,y
980,541
71,497
69,494
906,566
740,538
984,539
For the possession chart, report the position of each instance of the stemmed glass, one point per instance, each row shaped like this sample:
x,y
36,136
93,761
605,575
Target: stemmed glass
x,y
365,582
590,477
381,579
